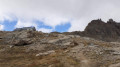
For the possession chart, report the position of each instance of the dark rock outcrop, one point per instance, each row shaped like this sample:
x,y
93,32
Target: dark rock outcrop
x,y
99,29
25,28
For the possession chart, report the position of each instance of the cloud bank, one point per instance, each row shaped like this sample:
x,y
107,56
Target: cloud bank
x,y
56,12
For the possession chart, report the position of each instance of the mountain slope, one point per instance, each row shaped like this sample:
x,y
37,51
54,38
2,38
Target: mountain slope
x,y
37,49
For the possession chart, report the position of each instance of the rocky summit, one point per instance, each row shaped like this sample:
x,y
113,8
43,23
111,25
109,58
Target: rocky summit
x,y
97,46
98,29
109,31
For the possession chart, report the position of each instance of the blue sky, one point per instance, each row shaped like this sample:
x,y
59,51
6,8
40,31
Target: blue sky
x,y
10,26
63,27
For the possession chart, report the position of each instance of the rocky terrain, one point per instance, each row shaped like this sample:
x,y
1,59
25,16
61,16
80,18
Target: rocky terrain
x,y
30,48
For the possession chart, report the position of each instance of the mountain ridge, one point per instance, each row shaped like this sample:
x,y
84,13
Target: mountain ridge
x,y
98,29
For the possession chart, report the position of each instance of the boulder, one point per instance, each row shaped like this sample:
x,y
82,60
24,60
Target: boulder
x,y
18,38
20,42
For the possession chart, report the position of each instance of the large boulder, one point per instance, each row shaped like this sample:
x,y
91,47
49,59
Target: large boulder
x,y
18,38
20,42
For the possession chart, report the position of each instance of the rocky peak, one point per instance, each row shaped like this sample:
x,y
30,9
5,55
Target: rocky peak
x,y
111,21
109,30
99,21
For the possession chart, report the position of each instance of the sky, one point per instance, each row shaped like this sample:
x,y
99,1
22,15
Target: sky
x,y
56,15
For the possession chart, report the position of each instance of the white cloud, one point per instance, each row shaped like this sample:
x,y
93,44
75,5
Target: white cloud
x,y
45,30
78,25
1,27
21,24
56,12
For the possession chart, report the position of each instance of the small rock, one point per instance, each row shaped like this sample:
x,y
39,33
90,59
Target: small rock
x,y
116,53
66,51
52,51
45,53
68,43
11,46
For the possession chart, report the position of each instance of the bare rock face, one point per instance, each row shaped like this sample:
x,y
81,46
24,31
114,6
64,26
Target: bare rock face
x,y
109,31
20,42
98,29
18,38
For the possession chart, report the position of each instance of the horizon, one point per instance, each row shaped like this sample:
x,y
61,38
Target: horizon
x,y
61,31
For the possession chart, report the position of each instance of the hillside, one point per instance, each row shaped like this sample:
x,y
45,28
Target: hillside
x,y
31,48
